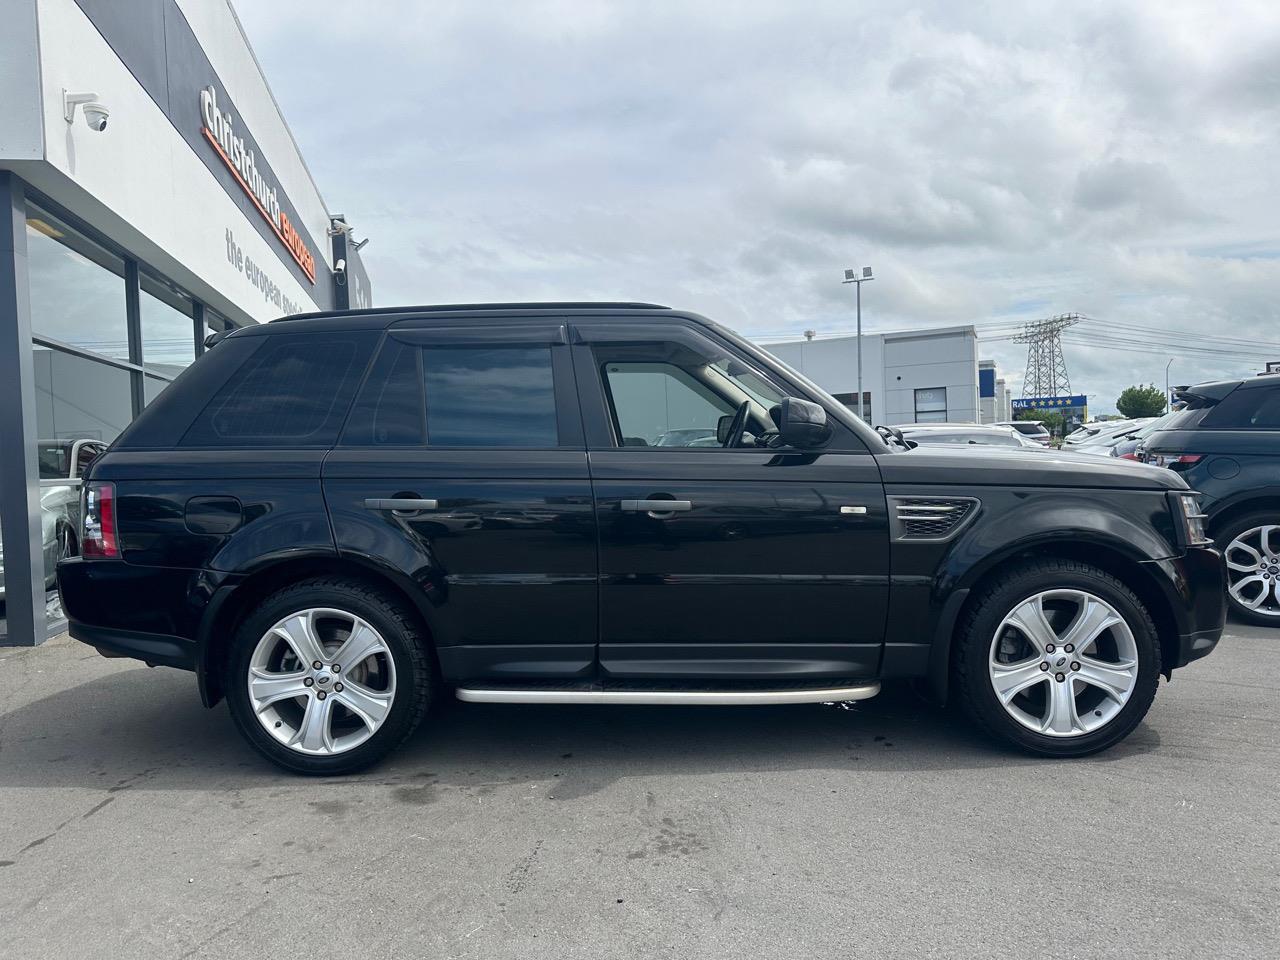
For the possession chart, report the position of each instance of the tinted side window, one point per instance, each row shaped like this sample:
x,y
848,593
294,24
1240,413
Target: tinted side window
x,y
1246,409
293,391
389,410
490,396
661,405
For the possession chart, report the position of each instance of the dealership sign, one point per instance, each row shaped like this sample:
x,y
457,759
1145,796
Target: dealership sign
x,y
1051,403
219,130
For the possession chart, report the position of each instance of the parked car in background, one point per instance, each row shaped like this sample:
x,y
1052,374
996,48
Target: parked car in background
x,y
1129,446
966,434
1100,431
62,463
444,499
1104,441
1226,444
1033,430
684,437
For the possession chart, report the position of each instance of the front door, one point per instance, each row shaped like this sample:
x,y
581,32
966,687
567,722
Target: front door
x,y
462,472
723,560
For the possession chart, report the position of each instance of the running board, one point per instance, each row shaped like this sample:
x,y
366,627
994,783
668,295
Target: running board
x,y
684,698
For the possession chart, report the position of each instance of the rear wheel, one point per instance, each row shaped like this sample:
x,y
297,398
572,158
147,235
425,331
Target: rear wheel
x,y
1060,658
328,676
1250,546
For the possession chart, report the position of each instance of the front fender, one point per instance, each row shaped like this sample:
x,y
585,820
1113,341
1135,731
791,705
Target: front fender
x,y
931,582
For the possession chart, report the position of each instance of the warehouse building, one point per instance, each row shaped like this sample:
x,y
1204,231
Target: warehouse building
x,y
153,195
916,376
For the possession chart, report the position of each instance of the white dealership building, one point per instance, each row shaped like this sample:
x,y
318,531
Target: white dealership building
x,y
153,195
915,376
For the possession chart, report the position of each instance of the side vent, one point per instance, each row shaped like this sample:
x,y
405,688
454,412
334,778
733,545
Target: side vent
x,y
930,518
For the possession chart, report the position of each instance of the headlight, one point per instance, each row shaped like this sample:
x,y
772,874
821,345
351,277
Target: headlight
x,y
1193,519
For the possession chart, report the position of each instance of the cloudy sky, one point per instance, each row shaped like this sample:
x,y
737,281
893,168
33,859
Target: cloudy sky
x,y
994,162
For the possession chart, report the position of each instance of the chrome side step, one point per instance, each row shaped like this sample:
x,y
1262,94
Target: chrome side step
x,y
686,698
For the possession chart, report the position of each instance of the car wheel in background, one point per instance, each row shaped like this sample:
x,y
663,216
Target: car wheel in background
x,y
328,676
1250,545
1057,657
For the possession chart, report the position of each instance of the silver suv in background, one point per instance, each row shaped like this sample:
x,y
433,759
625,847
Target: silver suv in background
x,y
1033,430
62,465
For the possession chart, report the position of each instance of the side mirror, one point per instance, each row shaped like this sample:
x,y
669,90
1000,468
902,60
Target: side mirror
x,y
802,424
722,428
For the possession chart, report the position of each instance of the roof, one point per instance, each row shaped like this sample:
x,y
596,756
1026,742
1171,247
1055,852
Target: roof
x,y
884,334
478,308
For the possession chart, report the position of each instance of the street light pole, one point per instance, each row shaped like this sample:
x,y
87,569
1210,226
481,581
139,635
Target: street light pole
x,y
852,276
1167,404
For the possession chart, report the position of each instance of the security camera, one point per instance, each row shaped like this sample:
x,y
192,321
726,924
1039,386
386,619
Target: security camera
x,y
340,266
95,112
95,116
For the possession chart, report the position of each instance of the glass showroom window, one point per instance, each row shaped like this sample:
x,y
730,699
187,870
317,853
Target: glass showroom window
x,y
167,319
931,405
78,398
77,288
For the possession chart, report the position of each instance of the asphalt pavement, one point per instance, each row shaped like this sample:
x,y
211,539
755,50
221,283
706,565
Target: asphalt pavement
x,y
135,823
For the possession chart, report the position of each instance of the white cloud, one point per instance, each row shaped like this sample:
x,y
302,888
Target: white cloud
x,y
998,162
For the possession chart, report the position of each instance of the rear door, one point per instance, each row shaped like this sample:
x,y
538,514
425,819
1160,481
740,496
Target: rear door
x,y
769,563
462,471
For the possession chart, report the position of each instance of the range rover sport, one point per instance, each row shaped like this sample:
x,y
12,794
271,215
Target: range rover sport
x,y
333,518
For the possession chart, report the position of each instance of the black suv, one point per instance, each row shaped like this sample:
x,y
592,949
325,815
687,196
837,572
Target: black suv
x,y
329,517
1226,444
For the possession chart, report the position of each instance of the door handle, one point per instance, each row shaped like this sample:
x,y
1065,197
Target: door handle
x,y
400,506
659,509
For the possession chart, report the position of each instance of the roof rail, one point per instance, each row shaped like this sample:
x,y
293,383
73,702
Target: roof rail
x,y
462,307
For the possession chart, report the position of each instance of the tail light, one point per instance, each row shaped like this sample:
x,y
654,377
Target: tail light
x,y
1184,460
99,536
1127,456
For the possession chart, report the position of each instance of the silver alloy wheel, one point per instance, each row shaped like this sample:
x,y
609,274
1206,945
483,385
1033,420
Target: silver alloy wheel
x,y
321,681
1253,569
1063,663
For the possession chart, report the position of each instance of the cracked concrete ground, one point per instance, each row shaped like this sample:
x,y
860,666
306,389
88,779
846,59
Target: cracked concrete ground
x,y
134,823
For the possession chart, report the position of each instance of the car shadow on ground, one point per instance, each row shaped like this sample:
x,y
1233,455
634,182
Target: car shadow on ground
x,y
145,729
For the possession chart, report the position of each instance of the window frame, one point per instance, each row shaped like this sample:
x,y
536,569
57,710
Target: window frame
x,y
916,411
587,331
498,333
134,268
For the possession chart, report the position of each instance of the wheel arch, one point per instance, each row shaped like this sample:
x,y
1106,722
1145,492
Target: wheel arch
x,y
1116,559
231,604
1233,510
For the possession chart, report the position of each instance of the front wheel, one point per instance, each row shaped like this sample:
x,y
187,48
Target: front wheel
x,y
1059,658
1251,548
328,676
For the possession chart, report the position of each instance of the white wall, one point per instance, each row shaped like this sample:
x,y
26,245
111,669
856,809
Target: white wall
x,y
139,181
21,129
219,32
931,359
832,363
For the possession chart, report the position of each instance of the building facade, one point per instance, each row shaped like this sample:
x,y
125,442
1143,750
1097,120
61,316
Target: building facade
x,y
153,195
994,399
917,376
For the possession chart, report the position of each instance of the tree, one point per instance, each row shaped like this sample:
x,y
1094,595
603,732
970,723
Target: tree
x,y
1140,401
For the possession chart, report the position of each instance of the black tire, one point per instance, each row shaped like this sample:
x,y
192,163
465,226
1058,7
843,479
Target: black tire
x,y
1223,539
976,635
404,638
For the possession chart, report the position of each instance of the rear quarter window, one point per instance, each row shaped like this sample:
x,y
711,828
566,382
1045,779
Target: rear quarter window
x,y
293,391
1246,408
